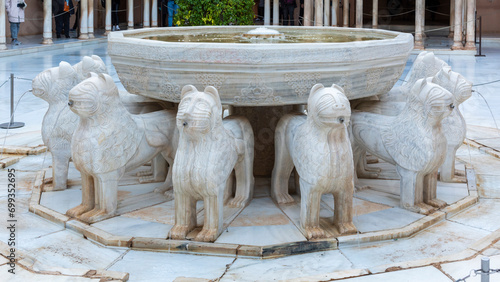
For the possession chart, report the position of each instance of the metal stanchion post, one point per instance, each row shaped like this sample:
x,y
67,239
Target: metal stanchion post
x,y
485,269
11,124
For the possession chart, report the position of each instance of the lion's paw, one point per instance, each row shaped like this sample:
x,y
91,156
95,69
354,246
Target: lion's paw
x,y
436,203
144,173
346,228
179,232
238,202
78,210
368,174
95,215
163,188
314,232
421,208
284,198
207,235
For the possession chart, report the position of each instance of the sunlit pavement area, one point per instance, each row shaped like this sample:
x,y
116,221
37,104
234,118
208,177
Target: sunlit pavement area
x,y
445,251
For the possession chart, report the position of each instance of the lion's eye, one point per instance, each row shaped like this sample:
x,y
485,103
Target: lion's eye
x,y
202,106
452,106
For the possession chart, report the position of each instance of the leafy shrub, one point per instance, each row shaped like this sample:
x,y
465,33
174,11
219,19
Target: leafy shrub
x,y
214,12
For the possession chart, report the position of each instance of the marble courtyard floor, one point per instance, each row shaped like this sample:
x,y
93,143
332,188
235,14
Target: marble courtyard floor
x,y
392,244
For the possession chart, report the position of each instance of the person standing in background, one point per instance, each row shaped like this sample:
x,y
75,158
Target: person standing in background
x,y
62,10
15,12
288,10
115,6
172,10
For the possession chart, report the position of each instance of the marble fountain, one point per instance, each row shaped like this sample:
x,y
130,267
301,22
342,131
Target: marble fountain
x,y
263,76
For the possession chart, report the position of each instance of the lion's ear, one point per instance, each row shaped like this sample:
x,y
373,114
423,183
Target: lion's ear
x,y
187,89
335,86
97,58
66,70
93,74
87,64
212,91
315,89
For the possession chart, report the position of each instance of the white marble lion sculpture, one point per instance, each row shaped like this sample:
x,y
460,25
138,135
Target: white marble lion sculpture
x,y
59,123
454,127
110,141
413,141
318,146
210,148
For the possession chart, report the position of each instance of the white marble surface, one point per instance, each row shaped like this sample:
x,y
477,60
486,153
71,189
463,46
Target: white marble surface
x,y
483,216
441,239
261,235
134,227
151,266
460,269
61,201
427,274
23,275
385,219
69,250
287,267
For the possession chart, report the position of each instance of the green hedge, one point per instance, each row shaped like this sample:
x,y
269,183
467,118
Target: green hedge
x,y
214,12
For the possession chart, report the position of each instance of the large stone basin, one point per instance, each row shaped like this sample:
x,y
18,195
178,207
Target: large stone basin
x,y
258,72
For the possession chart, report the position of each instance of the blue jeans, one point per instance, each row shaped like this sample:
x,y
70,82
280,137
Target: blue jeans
x,y
172,10
14,29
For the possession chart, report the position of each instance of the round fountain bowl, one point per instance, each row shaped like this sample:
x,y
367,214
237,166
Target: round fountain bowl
x,y
158,62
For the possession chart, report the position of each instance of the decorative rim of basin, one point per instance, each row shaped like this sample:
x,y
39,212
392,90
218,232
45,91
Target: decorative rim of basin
x,y
263,74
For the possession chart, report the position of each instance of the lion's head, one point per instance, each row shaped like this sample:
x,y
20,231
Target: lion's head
x,y
52,85
89,65
94,95
199,112
431,100
454,82
328,106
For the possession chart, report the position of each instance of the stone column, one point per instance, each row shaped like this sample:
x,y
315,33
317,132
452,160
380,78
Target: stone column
x,y
471,8
267,12
90,9
276,12
154,13
457,34
335,8
47,21
130,11
375,14
326,8
308,12
108,17
318,13
419,15
359,13
346,13
2,26
84,18
145,23
452,18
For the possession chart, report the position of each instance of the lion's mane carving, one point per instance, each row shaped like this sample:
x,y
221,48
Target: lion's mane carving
x,y
318,146
209,149
413,141
109,141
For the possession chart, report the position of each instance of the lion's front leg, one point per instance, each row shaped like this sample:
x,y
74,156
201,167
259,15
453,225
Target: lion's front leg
x,y
88,197
185,216
342,197
309,211
106,198
244,183
60,164
212,226
430,191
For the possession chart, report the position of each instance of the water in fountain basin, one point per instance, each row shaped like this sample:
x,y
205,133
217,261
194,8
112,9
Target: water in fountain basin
x,y
264,35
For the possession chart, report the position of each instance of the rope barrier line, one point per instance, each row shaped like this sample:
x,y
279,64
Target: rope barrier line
x,y
4,83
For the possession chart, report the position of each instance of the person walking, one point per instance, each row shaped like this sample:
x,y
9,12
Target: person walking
x,y
15,12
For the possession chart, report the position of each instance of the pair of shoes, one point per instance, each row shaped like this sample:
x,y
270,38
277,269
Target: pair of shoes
x,y
115,28
16,42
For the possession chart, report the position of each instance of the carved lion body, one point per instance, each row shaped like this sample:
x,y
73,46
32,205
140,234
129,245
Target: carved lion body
x,y
59,122
318,146
109,142
413,141
209,149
